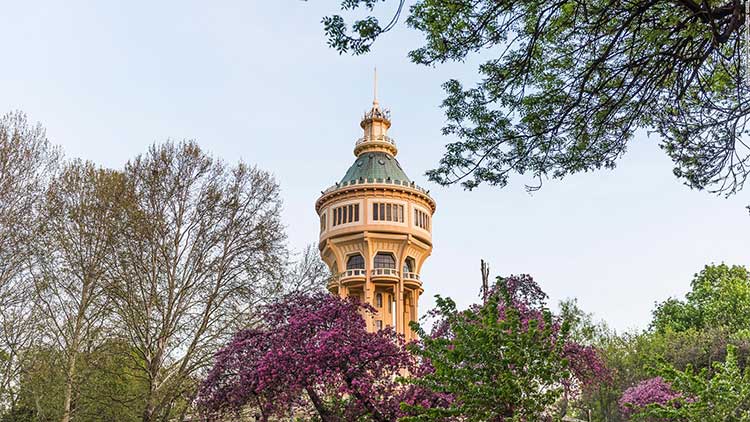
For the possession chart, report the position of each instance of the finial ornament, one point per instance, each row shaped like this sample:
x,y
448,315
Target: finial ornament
x,y
375,89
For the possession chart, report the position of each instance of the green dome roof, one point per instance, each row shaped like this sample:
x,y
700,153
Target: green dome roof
x,y
375,165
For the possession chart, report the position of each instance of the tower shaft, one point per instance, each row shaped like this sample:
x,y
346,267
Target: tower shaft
x,y
376,229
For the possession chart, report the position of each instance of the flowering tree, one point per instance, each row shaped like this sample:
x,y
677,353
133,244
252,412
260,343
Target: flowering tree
x,y
651,391
508,359
694,395
314,356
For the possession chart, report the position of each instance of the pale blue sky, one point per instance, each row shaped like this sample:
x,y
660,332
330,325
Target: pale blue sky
x,y
254,80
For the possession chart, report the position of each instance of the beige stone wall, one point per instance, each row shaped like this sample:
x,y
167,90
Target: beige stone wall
x,y
393,293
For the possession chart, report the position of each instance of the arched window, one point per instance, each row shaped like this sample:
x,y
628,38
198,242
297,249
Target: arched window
x,y
385,260
409,265
355,262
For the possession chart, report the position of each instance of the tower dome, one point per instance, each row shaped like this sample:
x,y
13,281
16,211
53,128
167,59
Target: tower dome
x,y
376,228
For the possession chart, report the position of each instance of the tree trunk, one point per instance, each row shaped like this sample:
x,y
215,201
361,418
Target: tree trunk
x,y
70,373
325,414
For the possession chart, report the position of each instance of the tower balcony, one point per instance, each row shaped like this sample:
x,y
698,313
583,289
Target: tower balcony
x,y
352,276
380,138
375,142
411,276
390,274
412,280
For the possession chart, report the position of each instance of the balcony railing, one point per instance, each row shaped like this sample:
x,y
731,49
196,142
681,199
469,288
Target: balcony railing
x,y
385,271
375,181
353,273
380,138
411,276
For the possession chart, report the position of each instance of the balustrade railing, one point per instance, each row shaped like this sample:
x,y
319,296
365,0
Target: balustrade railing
x,y
385,271
379,181
353,273
380,138
411,276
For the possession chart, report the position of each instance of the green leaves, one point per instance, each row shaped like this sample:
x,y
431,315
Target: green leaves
x,y
567,83
499,361
364,31
720,297
725,396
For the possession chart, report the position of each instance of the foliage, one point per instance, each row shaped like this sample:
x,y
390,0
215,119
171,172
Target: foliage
x,y
566,84
27,161
695,333
508,359
200,247
112,392
117,287
314,352
651,391
720,297
724,396
71,253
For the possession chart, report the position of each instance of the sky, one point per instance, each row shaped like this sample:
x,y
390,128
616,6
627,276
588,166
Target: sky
x,y
254,80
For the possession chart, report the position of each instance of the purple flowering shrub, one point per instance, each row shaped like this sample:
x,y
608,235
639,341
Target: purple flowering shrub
x,y
586,366
315,355
650,391
508,358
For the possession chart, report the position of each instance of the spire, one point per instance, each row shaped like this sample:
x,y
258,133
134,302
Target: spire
x,y
375,90
375,124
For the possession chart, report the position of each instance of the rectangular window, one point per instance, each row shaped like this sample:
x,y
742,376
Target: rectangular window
x,y
375,212
379,324
382,211
356,212
351,214
388,212
400,213
322,222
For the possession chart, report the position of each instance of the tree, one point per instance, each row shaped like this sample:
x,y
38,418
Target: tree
x,y
651,391
313,355
112,391
720,297
695,332
696,396
308,274
508,359
566,84
26,162
201,245
71,263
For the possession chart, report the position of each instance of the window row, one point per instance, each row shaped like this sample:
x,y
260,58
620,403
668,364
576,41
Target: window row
x,y
346,214
421,219
388,212
381,260
380,212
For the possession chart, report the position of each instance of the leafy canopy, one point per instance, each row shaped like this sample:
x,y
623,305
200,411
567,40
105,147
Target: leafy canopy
x,y
720,297
725,396
507,359
567,83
